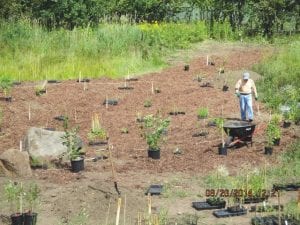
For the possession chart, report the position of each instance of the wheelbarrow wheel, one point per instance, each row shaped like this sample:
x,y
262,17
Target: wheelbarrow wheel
x,y
229,141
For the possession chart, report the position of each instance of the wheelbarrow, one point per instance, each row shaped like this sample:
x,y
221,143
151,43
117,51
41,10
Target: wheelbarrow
x,y
239,133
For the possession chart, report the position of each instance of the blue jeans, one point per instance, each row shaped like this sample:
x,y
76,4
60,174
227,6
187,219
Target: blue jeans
x,y
246,106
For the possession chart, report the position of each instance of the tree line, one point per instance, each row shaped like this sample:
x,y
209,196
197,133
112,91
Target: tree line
x,y
252,16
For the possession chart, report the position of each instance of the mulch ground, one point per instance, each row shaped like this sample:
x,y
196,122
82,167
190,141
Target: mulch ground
x,y
179,90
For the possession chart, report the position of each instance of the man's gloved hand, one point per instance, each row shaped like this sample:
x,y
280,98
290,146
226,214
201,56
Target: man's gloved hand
x,y
237,94
256,98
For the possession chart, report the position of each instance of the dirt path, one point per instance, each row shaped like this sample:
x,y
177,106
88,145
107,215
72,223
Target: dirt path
x,y
65,194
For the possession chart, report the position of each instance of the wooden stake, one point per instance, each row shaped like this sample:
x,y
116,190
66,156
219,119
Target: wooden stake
x,y
124,218
75,115
79,78
152,87
107,214
149,204
84,85
279,211
29,112
118,211
21,147
207,60
106,102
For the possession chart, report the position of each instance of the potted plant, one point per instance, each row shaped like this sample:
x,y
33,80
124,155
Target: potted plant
x,y
147,103
31,197
6,85
72,142
97,134
154,128
202,113
220,124
14,194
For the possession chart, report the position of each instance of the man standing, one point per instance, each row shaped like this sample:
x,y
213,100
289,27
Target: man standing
x,y
243,90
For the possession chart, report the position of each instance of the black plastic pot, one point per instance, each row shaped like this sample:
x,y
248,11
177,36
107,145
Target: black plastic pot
x,y
186,67
49,128
268,150
276,141
132,79
286,124
225,88
201,134
30,218
175,113
154,153
17,219
60,118
222,150
40,92
77,165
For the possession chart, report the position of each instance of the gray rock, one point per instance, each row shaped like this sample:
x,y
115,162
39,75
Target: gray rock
x,y
45,145
15,163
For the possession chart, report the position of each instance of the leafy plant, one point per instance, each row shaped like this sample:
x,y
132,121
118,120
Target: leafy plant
x,y
154,127
147,103
32,196
202,113
72,142
124,130
6,85
97,132
220,124
14,194
273,131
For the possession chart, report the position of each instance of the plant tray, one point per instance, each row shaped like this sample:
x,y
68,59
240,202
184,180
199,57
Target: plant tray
x,y
131,79
53,81
49,128
125,88
110,102
205,206
7,99
155,189
17,83
207,84
201,134
273,220
176,113
287,187
97,143
254,200
267,208
60,118
226,213
84,80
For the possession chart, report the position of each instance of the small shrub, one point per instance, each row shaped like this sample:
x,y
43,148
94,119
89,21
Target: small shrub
x,y
147,103
97,132
202,113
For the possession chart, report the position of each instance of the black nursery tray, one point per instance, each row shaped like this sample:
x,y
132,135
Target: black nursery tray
x,y
201,134
205,206
53,81
273,220
98,143
266,208
254,200
16,83
131,79
125,88
110,102
155,189
60,118
226,213
176,113
84,80
287,187
207,84
49,128
7,99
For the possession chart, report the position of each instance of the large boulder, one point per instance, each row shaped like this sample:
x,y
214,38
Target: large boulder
x,y
14,163
44,145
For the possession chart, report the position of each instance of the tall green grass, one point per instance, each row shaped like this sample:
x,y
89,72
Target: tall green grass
x,y
280,84
30,52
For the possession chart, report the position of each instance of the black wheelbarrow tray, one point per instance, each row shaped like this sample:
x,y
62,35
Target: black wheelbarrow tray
x,y
238,132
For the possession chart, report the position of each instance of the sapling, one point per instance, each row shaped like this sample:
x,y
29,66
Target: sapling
x,y
97,132
6,85
32,196
14,194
